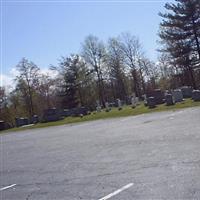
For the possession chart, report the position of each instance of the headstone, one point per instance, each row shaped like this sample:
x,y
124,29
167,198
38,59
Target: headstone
x,y
186,91
151,102
169,100
133,101
51,114
137,100
98,108
167,92
145,99
75,112
196,95
21,121
158,96
2,125
119,104
34,119
178,96
66,113
107,107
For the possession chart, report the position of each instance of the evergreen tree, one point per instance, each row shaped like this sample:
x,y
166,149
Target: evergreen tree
x,y
180,34
73,76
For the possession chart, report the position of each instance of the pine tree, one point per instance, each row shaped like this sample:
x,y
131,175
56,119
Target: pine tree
x,y
73,77
180,34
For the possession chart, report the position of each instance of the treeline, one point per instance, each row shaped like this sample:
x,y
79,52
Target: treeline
x,y
105,71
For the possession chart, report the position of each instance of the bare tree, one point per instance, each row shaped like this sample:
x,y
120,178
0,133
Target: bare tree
x,y
116,68
45,89
27,81
132,51
94,53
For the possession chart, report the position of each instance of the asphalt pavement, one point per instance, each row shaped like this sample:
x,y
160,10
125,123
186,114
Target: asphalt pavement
x,y
150,156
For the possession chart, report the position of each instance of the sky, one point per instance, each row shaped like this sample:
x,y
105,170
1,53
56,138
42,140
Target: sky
x,y
43,31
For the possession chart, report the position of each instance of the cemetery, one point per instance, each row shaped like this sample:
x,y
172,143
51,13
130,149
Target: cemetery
x,y
100,100
155,101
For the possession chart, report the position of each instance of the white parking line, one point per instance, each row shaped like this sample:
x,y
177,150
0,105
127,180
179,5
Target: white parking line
x,y
117,191
7,187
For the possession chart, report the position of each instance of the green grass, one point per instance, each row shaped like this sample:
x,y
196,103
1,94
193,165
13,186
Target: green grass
x,y
126,111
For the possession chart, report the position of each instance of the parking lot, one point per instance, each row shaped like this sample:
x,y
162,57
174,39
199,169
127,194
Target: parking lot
x,y
150,156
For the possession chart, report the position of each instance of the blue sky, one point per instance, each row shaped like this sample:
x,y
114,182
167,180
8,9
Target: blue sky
x,y
44,31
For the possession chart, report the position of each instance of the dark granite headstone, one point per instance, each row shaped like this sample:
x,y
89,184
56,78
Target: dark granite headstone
x,y
66,113
186,91
21,121
34,119
51,114
151,102
196,95
79,111
169,100
158,96
2,125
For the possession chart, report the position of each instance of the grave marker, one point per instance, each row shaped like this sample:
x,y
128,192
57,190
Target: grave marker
x,y
178,96
151,102
196,95
169,100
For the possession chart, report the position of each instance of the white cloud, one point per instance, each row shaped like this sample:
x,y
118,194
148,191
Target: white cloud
x,y
7,81
14,72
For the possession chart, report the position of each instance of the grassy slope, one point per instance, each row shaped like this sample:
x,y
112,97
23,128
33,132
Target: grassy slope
x,y
126,111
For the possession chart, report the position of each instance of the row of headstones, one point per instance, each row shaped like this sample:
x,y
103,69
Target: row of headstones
x,y
134,103
51,114
22,121
177,95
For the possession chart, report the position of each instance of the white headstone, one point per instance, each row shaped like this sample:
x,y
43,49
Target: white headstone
x,y
98,108
145,99
137,100
119,103
107,105
133,101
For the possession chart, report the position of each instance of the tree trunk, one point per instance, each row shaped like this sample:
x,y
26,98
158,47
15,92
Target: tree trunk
x,y
31,101
195,36
135,82
142,80
192,77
